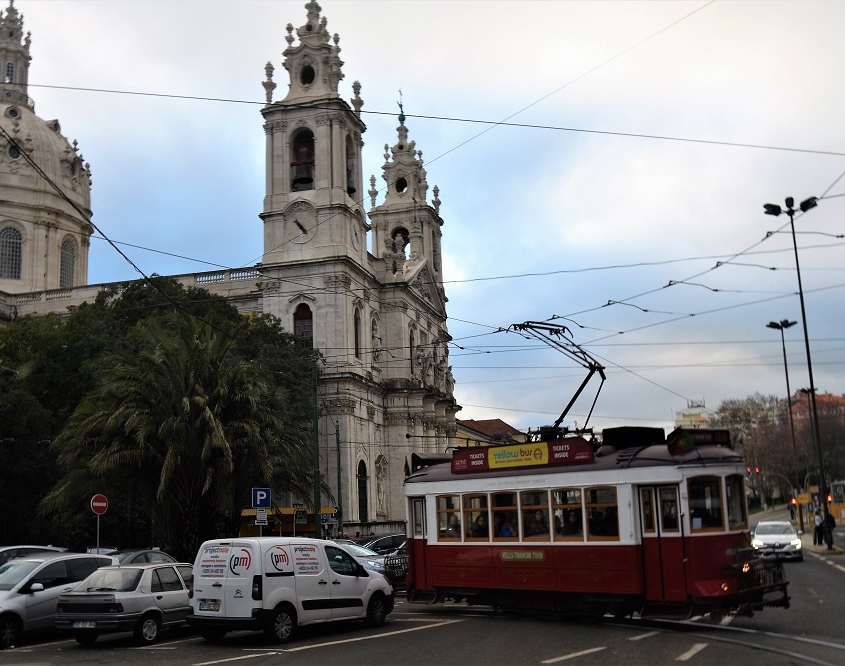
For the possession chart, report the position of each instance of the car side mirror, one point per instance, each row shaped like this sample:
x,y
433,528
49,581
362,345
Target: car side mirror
x,y
36,587
362,571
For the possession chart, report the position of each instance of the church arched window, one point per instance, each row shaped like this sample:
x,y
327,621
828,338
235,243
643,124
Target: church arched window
x,y
11,250
10,72
413,351
363,514
302,161
357,332
67,264
303,324
350,166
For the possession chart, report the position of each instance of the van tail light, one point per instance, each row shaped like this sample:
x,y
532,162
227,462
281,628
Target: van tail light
x,y
256,588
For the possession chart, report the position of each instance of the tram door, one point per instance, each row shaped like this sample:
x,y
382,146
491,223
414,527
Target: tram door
x,y
663,548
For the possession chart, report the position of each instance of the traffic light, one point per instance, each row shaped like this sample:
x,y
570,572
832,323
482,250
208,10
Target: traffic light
x,y
830,499
748,470
756,470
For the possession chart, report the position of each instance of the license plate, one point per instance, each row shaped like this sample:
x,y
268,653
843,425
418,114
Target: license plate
x,y
87,624
209,605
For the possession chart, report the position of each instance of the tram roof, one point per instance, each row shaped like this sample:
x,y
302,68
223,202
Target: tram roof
x,y
606,458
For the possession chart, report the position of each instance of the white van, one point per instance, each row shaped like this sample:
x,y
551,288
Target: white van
x,y
275,584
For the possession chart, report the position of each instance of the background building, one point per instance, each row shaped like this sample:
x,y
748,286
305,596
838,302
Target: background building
x,y
379,318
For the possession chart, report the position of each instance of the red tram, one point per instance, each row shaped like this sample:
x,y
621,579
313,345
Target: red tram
x,y
640,524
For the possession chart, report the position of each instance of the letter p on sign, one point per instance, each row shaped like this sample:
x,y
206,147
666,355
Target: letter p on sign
x,y
261,498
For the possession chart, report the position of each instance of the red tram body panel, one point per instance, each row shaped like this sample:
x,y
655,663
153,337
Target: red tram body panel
x,y
639,524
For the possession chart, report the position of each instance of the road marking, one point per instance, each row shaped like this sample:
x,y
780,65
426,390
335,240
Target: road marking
x,y
246,656
641,636
573,655
694,650
371,637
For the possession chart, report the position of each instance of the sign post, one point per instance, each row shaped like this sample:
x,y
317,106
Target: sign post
x,y
99,505
261,500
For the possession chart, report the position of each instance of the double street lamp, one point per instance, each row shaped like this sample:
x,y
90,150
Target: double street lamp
x,y
781,326
804,206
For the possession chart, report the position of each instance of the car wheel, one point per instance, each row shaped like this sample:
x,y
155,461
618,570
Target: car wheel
x,y
10,631
213,635
376,610
86,637
146,631
282,624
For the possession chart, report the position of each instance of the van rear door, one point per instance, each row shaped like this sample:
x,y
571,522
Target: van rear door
x,y
223,579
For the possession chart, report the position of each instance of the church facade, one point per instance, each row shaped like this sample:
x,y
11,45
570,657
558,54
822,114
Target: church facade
x,y
385,387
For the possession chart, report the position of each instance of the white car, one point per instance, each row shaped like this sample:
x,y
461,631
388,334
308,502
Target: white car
x,y
141,598
30,586
777,537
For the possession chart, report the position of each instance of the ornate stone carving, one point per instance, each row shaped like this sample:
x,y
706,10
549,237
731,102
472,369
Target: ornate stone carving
x,y
338,280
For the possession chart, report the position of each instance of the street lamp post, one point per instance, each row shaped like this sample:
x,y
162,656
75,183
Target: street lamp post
x,y
774,209
781,326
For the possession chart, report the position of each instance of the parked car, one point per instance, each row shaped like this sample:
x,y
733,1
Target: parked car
x,y
396,566
30,586
369,558
142,598
777,537
141,555
10,552
385,543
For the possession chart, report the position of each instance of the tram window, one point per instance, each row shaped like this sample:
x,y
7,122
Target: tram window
x,y
603,513
737,510
505,523
647,504
476,518
535,515
418,513
705,502
568,514
449,517
669,509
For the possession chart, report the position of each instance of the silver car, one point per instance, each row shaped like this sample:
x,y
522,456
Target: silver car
x,y
141,598
777,537
30,586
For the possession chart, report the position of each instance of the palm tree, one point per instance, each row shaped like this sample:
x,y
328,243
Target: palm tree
x,y
190,420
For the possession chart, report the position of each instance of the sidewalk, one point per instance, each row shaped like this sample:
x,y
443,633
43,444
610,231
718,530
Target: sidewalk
x,y
808,547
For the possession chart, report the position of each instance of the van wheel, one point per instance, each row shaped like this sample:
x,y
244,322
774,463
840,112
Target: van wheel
x,y
213,635
86,637
376,610
282,624
146,631
10,631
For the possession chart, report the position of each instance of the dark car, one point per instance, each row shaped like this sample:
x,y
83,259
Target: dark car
x,y
396,566
386,543
141,598
141,555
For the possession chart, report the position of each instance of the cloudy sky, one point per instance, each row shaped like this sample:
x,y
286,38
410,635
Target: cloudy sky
x,y
623,193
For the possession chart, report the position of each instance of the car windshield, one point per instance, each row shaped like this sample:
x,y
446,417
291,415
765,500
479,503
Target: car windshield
x,y
14,571
359,551
774,529
112,580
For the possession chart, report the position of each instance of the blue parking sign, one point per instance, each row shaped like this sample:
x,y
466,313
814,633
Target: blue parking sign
x,y
260,498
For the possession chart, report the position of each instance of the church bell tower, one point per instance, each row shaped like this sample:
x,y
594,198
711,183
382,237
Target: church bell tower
x,y
312,205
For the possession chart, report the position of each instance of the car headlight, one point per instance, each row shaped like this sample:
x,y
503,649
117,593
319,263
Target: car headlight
x,y
756,543
796,543
376,566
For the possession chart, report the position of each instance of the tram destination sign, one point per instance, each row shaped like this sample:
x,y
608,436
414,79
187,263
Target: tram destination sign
x,y
569,451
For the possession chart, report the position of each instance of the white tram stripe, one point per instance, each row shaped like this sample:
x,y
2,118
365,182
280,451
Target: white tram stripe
x,y
573,655
694,650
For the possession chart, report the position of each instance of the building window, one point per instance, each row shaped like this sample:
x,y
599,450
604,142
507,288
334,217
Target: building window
x,y
11,245
10,72
357,333
363,513
302,162
412,349
68,265
303,324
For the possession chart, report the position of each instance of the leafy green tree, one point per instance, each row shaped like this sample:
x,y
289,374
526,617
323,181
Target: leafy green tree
x,y
187,416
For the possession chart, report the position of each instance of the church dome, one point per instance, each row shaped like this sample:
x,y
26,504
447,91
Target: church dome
x,y
45,186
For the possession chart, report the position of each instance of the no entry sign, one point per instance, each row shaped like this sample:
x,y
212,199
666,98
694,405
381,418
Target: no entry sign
x,y
99,504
